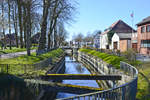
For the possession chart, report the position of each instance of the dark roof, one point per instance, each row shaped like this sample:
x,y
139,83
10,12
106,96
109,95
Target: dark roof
x,y
144,21
120,27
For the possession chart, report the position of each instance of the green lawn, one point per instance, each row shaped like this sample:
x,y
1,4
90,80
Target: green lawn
x,y
14,49
16,65
144,82
110,59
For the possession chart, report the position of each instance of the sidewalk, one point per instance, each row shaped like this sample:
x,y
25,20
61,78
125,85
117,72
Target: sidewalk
x,y
12,55
143,58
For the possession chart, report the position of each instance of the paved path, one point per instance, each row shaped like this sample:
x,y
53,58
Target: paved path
x,y
12,55
143,58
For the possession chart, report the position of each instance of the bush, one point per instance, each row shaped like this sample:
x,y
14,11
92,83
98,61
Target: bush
x,y
130,54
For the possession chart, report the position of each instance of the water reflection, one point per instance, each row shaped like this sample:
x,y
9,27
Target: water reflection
x,y
80,69
73,67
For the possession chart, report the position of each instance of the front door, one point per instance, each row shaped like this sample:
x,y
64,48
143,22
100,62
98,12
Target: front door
x,y
115,45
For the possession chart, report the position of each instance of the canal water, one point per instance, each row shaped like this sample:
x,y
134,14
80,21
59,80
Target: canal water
x,y
74,67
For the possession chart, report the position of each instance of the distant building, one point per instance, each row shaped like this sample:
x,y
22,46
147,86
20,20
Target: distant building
x,y
117,27
97,40
144,36
35,38
10,37
1,35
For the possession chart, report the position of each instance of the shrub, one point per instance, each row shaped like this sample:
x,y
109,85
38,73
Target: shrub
x,y
130,54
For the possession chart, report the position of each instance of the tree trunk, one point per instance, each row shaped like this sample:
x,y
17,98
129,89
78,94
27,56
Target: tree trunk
x,y
55,35
49,34
20,21
28,43
25,25
15,24
9,25
42,41
3,26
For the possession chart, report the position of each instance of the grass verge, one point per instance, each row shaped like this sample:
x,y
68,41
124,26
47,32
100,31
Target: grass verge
x,y
144,82
16,65
110,59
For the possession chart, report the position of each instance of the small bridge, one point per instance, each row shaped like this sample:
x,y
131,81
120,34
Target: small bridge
x,y
69,49
81,77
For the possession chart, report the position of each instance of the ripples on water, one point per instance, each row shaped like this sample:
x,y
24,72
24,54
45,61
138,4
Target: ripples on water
x,y
73,67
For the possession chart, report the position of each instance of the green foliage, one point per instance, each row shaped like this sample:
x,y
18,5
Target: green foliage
x,y
110,35
35,45
110,59
143,82
130,54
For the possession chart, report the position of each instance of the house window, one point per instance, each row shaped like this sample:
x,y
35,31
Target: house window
x,y
148,28
145,43
142,29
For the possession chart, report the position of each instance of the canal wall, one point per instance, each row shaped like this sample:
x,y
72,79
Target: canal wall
x,y
58,68
43,63
98,66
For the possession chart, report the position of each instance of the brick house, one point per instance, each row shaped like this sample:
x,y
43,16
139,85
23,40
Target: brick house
x,y
117,27
134,42
144,36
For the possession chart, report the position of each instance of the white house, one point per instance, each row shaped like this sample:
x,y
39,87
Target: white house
x,y
104,41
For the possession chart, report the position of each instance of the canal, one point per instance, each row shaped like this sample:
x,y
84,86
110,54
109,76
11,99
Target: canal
x,y
74,67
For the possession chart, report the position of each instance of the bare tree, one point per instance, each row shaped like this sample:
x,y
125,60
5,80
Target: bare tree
x,y
4,23
19,3
9,21
60,11
15,21
62,34
42,41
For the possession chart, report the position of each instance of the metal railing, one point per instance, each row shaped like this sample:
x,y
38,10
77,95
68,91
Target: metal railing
x,y
126,91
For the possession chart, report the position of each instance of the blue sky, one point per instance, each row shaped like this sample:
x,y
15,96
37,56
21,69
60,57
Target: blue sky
x,y
100,14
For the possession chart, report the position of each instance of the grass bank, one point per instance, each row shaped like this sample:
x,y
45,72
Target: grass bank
x,y
144,82
110,59
16,65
